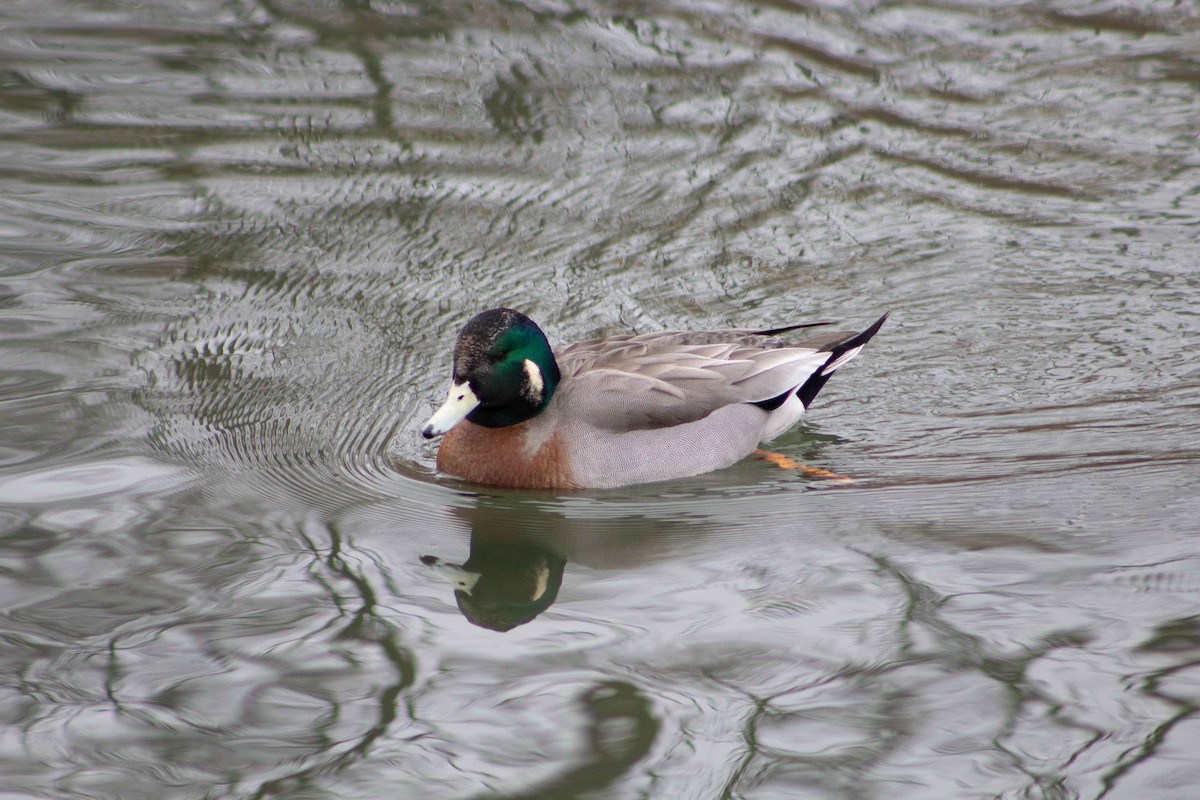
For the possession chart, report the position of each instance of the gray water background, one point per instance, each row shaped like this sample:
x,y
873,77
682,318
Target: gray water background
x,y
236,241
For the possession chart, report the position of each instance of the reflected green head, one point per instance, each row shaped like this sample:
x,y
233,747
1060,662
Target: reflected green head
x,y
505,358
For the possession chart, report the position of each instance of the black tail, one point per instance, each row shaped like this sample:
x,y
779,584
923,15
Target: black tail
x,y
808,391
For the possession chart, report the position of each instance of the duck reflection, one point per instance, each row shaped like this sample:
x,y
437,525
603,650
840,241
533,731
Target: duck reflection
x,y
505,582
520,543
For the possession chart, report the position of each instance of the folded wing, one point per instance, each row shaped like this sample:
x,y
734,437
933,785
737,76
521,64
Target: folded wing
x,y
659,380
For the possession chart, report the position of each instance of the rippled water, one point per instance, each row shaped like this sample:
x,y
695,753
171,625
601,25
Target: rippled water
x,y
236,240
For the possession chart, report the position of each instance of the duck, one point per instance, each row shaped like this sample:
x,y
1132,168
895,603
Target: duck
x,y
623,409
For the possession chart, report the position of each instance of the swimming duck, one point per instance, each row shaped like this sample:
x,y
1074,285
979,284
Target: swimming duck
x,y
622,409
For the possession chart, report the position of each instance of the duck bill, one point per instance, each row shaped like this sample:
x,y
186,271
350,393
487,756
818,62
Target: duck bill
x,y
461,579
460,402
458,576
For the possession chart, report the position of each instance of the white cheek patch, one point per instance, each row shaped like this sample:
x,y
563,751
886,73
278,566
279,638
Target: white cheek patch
x,y
542,582
536,389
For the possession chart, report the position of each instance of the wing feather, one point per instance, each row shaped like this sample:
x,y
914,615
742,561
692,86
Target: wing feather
x,y
659,380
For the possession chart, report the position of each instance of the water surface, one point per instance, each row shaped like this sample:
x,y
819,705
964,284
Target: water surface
x,y
236,240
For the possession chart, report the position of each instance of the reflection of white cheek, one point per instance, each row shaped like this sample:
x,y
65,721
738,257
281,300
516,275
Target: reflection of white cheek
x,y
537,387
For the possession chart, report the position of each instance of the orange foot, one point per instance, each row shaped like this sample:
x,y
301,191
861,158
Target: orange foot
x,y
783,462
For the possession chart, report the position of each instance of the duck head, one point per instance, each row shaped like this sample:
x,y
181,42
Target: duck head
x,y
504,373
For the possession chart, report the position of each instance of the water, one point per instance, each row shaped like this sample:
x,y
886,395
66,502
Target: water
x,y
236,240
